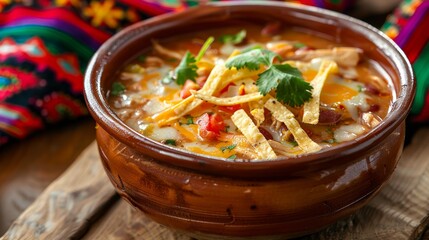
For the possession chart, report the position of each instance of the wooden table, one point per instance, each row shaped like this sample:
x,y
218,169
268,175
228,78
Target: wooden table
x,y
81,203
29,166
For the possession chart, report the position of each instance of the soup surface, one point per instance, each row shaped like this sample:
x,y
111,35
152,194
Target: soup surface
x,y
249,93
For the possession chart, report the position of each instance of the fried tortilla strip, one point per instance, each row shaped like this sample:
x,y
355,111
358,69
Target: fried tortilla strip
x,y
243,147
312,107
229,101
343,56
218,76
257,110
188,104
251,132
282,114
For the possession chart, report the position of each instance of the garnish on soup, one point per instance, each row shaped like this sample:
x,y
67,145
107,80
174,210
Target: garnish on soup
x,y
240,94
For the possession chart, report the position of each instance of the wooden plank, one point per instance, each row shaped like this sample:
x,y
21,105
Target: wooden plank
x,y
401,209
66,207
30,165
125,222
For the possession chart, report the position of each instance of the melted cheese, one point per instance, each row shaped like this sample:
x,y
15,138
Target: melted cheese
x,y
337,90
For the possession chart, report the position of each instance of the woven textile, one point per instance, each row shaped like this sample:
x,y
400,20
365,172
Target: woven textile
x,y
46,45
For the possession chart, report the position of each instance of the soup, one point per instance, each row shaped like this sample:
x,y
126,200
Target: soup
x,y
249,93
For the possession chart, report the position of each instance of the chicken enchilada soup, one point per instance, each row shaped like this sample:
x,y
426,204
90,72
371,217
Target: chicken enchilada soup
x,y
251,93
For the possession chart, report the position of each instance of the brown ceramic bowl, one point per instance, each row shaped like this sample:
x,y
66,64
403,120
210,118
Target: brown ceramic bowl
x,y
212,198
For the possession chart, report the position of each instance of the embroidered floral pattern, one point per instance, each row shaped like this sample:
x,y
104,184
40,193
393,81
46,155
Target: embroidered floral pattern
x,y
104,12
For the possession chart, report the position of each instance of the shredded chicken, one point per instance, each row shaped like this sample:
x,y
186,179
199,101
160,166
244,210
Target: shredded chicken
x,y
282,150
343,56
154,61
131,76
370,120
165,51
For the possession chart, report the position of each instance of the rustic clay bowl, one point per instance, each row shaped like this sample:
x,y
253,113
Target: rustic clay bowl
x,y
211,198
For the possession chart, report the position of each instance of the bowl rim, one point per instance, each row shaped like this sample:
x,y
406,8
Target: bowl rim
x,y
105,117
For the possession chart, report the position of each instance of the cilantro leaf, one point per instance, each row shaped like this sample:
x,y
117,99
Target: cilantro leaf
x,y
251,59
187,69
189,120
117,88
299,45
232,157
291,88
233,38
230,147
171,142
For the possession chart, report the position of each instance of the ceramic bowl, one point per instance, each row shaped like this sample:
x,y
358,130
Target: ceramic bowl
x,y
210,198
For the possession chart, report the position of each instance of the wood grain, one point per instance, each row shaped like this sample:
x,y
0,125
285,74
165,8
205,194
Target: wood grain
x,y
401,209
126,222
66,207
30,165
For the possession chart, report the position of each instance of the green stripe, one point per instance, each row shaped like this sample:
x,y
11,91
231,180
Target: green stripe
x,y
8,114
421,66
51,35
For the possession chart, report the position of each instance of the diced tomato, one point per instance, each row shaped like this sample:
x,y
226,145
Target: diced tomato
x,y
187,87
201,81
230,109
209,126
233,108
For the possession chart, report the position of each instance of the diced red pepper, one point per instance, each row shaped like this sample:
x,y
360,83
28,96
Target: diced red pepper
x,y
187,87
233,108
209,126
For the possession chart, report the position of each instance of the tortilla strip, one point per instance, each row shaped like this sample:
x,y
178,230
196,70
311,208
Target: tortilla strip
x,y
229,101
186,105
312,107
219,74
251,132
242,147
282,114
257,110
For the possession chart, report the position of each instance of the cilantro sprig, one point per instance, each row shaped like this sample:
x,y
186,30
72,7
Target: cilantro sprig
x,y
252,59
290,87
117,89
230,147
233,38
187,68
